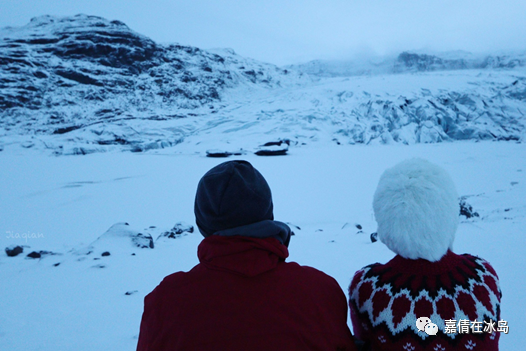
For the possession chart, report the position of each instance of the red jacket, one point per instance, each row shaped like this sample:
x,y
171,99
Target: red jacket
x,y
244,296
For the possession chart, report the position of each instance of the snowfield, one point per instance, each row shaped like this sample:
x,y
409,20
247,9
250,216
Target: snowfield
x,y
70,206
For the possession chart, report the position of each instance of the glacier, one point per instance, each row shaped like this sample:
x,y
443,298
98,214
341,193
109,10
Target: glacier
x,y
84,84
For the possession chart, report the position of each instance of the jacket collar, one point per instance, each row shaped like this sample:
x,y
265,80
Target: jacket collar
x,y
263,229
243,255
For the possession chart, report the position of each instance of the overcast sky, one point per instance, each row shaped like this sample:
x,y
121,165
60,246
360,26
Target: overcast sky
x,y
289,31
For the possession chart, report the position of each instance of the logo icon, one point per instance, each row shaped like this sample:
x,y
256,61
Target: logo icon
x,y
424,324
431,329
421,323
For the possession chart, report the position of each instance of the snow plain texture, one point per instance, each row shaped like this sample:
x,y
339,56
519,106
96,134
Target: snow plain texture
x,y
322,192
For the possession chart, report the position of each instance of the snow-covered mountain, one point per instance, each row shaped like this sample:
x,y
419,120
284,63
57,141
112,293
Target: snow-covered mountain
x,y
83,84
62,74
410,62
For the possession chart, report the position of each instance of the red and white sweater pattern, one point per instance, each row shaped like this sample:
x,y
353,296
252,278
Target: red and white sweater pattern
x,y
386,300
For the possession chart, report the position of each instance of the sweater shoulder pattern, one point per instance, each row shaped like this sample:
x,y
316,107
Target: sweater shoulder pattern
x,y
387,299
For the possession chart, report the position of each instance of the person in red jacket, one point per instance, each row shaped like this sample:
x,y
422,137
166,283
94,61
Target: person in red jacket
x,y
243,295
427,298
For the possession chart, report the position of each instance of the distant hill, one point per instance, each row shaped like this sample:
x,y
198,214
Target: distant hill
x,y
407,62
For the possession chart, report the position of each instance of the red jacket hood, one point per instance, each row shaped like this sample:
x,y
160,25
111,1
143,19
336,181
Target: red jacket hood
x,y
241,255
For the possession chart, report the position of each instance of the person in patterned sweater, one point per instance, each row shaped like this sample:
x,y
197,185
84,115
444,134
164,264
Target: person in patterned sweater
x,y
416,207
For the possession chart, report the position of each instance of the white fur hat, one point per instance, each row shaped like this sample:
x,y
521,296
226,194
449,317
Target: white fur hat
x,y
417,210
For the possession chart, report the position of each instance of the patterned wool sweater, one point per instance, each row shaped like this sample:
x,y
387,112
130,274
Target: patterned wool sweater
x,y
386,300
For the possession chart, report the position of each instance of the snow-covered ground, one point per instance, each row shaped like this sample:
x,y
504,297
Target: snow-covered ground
x,y
323,190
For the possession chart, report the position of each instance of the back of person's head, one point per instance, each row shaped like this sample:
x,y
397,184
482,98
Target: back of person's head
x,y
416,207
231,195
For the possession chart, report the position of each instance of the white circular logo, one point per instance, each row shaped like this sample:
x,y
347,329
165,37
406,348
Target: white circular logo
x,y
421,323
431,329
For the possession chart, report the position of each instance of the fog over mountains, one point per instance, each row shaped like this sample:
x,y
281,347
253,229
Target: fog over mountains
x,y
82,84
413,62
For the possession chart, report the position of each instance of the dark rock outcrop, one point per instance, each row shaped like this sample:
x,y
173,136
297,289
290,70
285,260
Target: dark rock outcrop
x,y
14,250
466,209
143,241
179,229
422,62
274,148
222,153
39,254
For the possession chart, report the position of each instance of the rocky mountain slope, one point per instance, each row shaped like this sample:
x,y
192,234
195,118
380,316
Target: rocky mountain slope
x,y
82,84
62,74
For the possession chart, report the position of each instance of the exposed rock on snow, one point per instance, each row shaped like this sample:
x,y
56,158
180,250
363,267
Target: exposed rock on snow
x,y
466,209
40,254
143,240
374,237
273,150
221,153
120,237
14,250
179,229
277,143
